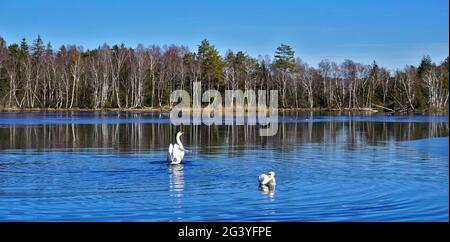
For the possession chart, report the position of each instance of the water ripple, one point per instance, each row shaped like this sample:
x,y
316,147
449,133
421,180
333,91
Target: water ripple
x,y
386,180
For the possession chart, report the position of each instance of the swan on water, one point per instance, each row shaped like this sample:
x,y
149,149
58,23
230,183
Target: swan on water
x,y
176,151
267,180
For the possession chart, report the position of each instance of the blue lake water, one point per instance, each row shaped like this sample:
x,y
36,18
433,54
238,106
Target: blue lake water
x,y
112,167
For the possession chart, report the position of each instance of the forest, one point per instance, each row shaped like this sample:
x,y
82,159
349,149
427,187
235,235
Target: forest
x,y
34,75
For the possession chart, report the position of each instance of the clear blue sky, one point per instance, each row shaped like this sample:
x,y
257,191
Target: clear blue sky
x,y
392,32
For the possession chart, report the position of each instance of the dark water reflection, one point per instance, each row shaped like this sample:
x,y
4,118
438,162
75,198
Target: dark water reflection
x,y
144,135
108,167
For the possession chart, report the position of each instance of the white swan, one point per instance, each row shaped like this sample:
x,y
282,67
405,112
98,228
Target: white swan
x,y
176,151
267,180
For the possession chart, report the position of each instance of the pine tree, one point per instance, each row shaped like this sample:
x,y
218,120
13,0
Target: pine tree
x,y
49,49
285,63
37,48
284,58
425,65
211,64
23,48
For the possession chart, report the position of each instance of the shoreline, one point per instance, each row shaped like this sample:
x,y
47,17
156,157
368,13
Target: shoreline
x,y
93,110
167,109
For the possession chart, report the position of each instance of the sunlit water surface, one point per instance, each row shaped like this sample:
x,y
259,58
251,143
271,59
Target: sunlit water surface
x,y
112,167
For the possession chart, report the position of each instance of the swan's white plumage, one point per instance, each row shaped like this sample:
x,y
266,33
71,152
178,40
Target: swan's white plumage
x,y
264,179
170,149
267,179
176,151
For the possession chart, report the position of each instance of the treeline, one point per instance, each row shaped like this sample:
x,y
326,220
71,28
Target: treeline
x,y
37,76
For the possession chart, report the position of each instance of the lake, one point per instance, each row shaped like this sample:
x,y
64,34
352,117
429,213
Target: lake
x,y
112,167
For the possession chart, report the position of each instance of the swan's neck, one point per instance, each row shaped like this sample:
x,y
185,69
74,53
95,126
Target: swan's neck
x,y
179,141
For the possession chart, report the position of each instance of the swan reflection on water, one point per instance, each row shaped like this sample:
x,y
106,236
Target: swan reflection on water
x,y
176,175
267,189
